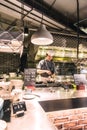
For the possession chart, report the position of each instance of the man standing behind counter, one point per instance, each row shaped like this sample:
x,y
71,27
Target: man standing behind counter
x,y
46,67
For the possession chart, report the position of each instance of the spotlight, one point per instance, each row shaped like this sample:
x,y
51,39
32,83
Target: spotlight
x,y
25,31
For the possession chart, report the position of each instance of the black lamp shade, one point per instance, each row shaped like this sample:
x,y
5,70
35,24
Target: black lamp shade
x,y
26,31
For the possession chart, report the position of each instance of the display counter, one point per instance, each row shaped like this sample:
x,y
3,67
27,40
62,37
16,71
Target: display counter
x,y
33,119
36,118
71,119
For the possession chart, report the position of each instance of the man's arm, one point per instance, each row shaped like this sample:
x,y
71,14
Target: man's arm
x,y
39,71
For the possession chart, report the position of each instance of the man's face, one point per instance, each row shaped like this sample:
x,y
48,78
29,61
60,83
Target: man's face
x,y
50,57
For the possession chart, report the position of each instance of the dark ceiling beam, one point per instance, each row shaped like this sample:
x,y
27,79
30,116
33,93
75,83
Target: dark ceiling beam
x,y
44,8
78,29
5,21
12,24
27,12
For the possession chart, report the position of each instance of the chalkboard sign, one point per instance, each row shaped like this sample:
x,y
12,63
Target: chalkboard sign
x,y
29,77
19,106
80,78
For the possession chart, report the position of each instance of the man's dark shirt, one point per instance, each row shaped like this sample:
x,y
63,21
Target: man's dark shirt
x,y
46,65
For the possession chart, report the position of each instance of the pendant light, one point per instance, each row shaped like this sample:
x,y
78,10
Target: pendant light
x,y
42,36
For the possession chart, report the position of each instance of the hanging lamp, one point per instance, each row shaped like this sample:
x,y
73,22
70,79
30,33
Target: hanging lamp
x,y
42,36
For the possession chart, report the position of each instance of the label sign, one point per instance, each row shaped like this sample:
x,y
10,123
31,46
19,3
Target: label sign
x,y
19,106
80,78
29,77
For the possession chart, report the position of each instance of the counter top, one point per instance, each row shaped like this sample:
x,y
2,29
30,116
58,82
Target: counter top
x,y
35,117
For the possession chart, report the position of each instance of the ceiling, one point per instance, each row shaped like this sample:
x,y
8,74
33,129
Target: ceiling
x,y
67,17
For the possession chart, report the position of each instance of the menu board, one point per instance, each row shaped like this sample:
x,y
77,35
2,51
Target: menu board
x,y
80,78
29,77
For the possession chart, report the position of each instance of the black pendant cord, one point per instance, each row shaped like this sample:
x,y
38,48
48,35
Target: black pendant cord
x,y
77,29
